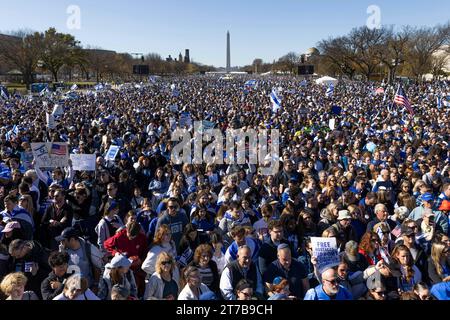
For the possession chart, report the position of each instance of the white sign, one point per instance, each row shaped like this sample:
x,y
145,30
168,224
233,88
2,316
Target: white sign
x,y
112,153
325,249
332,124
50,154
58,110
173,108
83,162
50,121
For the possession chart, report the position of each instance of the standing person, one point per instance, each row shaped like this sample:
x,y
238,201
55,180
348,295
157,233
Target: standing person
x,y
218,251
164,282
132,243
57,217
209,274
439,263
113,195
108,225
411,275
194,288
244,290
175,219
53,285
329,289
76,288
84,256
286,267
30,258
13,286
344,229
376,287
162,243
268,251
13,212
117,272
242,268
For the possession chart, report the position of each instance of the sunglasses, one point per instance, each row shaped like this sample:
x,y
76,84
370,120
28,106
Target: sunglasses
x,y
333,282
173,207
166,263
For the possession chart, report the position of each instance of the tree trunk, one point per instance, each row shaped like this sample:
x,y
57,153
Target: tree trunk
x,y
55,76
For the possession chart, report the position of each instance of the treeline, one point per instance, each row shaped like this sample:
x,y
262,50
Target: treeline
x,y
62,56
369,53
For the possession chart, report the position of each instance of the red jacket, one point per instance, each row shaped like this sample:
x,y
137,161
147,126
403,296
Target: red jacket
x,y
119,243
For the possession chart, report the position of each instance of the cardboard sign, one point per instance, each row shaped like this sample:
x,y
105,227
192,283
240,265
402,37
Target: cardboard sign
x,y
325,249
83,162
50,154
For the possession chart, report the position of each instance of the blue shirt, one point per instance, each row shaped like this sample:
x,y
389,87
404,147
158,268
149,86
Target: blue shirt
x,y
317,293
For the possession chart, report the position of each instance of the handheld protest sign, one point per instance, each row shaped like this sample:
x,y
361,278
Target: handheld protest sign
x,y
326,252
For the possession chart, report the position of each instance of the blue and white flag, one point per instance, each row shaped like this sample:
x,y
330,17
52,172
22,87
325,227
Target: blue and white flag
x,y
330,91
439,102
44,92
276,100
74,87
99,87
446,101
304,83
250,83
14,132
4,94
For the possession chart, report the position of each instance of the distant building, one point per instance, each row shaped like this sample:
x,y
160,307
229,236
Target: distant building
x,y
187,58
169,58
180,57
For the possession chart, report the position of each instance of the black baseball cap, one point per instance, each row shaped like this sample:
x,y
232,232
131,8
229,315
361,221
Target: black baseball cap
x,y
67,234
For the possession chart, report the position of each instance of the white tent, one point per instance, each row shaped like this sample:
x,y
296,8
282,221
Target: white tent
x,y
327,80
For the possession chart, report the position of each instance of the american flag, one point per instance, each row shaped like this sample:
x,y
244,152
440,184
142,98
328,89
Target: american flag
x,y
59,149
402,100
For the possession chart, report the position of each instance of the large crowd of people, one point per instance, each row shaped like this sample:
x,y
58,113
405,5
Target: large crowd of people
x,y
143,227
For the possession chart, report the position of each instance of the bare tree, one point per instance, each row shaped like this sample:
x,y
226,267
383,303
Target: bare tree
x,y
366,44
338,52
424,43
22,51
393,51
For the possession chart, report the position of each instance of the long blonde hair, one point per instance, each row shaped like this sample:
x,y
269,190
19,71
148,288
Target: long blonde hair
x,y
436,255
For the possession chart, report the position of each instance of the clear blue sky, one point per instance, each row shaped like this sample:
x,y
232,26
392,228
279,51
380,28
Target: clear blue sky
x,y
264,29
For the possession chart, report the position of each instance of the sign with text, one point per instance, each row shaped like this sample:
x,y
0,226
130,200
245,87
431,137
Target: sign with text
x,y
325,249
50,154
83,162
112,153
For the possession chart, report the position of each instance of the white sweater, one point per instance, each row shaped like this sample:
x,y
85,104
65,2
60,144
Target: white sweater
x,y
150,261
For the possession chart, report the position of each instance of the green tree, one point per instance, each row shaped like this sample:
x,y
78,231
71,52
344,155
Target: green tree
x,y
59,49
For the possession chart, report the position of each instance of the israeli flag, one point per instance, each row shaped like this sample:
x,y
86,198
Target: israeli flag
x,y
4,94
439,102
446,102
44,92
14,132
74,87
99,87
330,91
276,100
304,83
250,83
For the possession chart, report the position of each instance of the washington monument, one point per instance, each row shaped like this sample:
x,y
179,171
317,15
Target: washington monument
x,y
228,53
